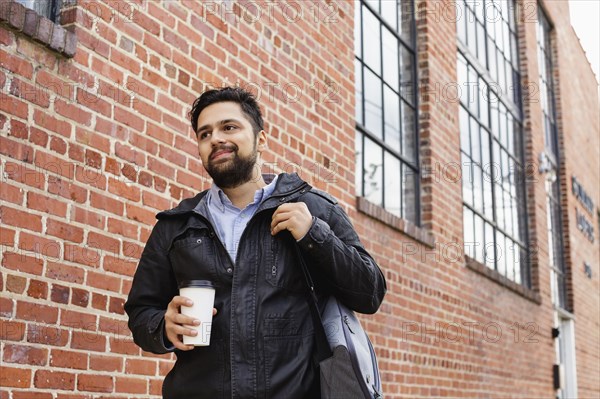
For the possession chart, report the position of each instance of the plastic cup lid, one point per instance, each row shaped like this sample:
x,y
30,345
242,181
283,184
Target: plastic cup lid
x,y
196,284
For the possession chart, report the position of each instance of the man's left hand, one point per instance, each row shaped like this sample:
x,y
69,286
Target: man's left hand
x,y
294,217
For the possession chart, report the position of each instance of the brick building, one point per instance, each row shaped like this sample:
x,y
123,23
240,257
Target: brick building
x,y
462,139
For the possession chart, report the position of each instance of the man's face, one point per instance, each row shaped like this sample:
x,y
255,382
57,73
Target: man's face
x,y
227,145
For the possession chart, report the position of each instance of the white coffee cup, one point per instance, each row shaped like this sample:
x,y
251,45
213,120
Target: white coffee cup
x,y
202,294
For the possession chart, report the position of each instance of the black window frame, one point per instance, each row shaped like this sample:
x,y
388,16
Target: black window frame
x,y
477,57
407,97
556,249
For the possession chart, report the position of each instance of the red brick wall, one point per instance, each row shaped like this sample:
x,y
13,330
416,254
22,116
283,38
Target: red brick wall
x,y
93,146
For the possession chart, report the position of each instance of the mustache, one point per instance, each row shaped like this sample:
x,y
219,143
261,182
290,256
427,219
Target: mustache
x,y
223,147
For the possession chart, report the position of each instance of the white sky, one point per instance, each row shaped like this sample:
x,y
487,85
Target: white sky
x,y
585,18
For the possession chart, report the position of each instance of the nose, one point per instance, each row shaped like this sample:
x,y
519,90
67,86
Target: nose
x,y
217,137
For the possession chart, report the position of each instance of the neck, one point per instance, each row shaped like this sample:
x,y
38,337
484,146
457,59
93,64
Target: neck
x,y
242,195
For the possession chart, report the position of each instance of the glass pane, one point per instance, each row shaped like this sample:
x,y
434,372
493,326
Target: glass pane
x,y
488,206
357,30
510,258
407,81
464,131
392,119
477,188
481,44
390,58
374,4
409,150
490,247
467,179
501,261
389,12
471,32
475,144
461,27
479,239
472,81
409,194
373,117
483,102
485,150
373,172
358,105
371,36
405,17
358,172
499,205
510,211
463,87
392,184
469,233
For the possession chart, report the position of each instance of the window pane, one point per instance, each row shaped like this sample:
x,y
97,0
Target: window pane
x,y
373,172
392,119
358,92
408,132
389,12
392,184
407,80
358,174
469,233
491,251
357,31
371,36
464,131
467,179
479,240
373,117
409,194
390,59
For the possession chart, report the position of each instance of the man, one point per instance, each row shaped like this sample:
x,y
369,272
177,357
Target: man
x,y
244,235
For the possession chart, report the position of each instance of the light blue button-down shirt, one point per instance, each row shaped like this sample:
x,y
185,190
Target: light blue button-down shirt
x,y
229,220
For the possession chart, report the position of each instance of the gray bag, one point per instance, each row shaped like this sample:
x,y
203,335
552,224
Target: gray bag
x,y
346,358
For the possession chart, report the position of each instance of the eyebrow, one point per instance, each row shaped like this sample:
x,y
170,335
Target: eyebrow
x,y
219,123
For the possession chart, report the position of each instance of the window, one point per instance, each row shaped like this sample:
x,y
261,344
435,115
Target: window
x,y
387,172
491,137
547,98
46,8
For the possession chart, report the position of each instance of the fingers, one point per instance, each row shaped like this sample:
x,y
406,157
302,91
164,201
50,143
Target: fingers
x,y
294,217
175,323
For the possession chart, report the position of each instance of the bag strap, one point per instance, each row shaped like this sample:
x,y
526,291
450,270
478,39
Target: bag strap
x,y
323,349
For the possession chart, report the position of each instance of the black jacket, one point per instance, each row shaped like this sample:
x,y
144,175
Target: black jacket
x,y
262,336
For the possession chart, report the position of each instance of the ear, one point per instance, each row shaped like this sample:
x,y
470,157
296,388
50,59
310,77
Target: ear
x,y
261,141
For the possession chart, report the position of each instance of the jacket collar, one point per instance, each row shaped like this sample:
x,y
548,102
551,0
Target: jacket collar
x,y
289,186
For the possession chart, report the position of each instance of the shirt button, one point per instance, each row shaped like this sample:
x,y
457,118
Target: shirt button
x,y
229,270
310,246
199,241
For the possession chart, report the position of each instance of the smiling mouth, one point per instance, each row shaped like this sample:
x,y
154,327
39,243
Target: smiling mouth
x,y
220,154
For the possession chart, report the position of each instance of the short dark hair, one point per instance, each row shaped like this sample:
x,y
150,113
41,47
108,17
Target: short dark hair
x,y
245,99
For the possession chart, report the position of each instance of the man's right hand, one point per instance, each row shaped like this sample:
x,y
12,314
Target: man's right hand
x,y
175,323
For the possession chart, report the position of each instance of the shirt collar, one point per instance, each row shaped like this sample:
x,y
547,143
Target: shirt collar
x,y
219,199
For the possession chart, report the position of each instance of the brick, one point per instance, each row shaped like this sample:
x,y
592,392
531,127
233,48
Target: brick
x,y
16,150
103,281
25,355
11,330
88,341
23,174
6,307
54,164
31,22
16,18
68,359
124,190
82,254
47,335
46,204
70,44
67,190
106,363
14,194
44,31
88,217
54,380
78,320
63,272
123,228
17,218
131,385
57,42
60,293
37,312
14,377
49,122
80,297
95,383
116,305
37,289
15,284
64,231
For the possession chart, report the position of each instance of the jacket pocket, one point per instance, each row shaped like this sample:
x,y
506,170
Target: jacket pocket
x,y
199,373
282,269
192,256
288,366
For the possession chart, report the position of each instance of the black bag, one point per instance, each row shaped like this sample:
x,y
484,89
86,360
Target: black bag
x,y
346,358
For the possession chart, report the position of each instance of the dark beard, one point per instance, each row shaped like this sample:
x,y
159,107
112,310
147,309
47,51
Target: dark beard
x,y
233,172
